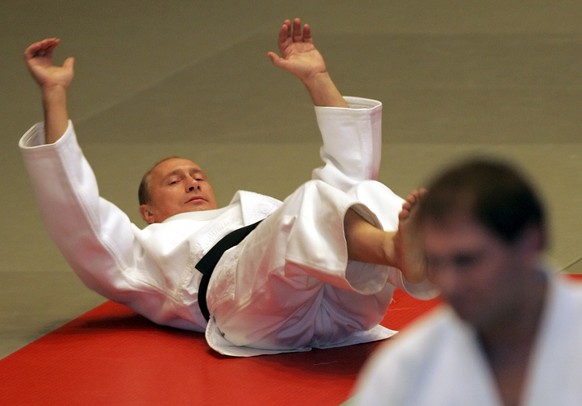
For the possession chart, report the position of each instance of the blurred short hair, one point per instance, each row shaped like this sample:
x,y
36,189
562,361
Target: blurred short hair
x,y
492,192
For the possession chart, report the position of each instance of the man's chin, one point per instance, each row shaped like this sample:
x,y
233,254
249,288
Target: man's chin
x,y
466,313
197,205
198,208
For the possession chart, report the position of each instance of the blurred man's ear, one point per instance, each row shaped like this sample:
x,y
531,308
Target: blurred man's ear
x,y
531,244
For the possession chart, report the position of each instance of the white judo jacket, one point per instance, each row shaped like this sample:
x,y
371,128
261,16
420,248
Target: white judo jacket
x,y
438,361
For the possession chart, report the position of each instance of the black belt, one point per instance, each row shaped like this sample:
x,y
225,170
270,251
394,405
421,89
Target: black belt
x,y
208,262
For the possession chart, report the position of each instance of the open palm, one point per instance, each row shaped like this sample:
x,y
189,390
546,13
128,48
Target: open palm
x,y
298,55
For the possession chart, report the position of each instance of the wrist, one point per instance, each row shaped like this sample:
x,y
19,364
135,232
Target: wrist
x,y
317,79
54,97
323,91
53,90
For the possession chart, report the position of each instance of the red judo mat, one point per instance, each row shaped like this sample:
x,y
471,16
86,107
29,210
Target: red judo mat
x,y
112,356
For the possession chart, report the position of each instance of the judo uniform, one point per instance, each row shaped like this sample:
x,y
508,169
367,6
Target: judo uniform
x,y
438,361
287,287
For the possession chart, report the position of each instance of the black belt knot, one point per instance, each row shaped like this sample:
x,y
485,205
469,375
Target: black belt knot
x,y
208,262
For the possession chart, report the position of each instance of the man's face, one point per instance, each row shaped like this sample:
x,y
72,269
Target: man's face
x,y
481,276
177,185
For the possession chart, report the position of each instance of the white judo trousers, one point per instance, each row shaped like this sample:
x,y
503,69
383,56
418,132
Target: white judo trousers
x,y
290,284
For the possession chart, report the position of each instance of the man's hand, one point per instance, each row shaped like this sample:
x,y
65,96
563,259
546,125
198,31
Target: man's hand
x,y
298,54
38,58
54,81
300,58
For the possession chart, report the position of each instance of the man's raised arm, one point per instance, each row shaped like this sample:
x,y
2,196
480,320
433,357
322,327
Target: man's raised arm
x,y
300,58
352,137
53,81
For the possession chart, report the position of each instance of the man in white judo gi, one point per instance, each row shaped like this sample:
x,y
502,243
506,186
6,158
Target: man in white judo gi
x,y
511,332
318,271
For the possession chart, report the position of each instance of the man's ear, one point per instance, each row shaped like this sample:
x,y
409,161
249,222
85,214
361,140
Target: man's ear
x,y
146,213
532,243
537,237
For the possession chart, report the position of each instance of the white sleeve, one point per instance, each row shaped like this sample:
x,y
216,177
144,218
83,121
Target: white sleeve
x,y
352,142
94,235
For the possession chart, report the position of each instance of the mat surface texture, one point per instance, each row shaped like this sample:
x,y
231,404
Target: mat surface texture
x,y
112,356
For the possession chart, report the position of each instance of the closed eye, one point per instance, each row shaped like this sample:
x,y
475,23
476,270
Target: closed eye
x,y
198,175
173,181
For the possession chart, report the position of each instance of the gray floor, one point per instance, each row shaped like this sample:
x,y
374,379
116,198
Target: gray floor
x,y
191,78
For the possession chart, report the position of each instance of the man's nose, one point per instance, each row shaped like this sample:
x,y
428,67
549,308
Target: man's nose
x,y
447,279
192,184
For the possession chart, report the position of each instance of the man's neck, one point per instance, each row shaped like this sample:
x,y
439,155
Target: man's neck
x,y
508,346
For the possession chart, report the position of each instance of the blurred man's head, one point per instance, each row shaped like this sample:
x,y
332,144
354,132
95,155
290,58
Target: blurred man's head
x,y
483,232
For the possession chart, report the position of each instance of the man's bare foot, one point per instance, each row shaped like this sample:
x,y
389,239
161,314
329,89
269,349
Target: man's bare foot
x,y
407,249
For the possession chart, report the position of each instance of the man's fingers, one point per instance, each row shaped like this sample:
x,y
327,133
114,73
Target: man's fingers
x,y
69,62
272,56
284,31
41,48
31,50
293,32
297,35
276,59
301,33
307,33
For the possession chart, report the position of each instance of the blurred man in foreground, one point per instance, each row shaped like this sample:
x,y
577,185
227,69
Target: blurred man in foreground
x,y
511,332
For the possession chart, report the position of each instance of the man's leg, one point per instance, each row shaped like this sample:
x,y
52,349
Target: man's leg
x,y
290,283
367,243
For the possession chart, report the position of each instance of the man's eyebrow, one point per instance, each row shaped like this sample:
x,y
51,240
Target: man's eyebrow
x,y
173,173
179,172
197,171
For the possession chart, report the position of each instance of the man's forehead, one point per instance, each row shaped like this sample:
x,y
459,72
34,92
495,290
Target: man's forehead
x,y
173,164
458,230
